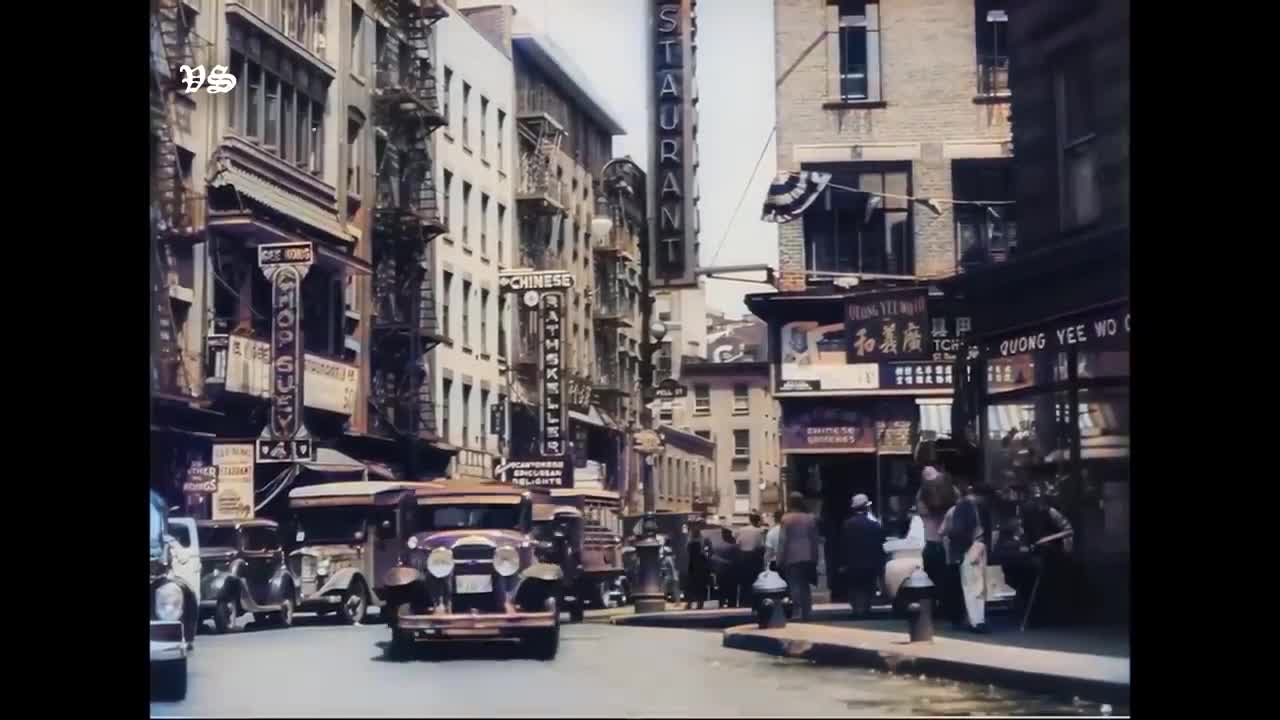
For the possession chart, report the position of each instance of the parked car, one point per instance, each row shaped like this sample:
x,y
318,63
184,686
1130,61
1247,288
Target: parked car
x,y
346,536
243,570
599,541
559,529
184,553
172,607
473,571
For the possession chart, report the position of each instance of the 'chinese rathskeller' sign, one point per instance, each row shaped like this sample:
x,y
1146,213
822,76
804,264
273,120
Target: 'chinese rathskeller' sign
x,y
675,243
888,326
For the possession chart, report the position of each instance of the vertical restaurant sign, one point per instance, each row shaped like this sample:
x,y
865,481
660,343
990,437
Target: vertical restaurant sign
x,y
285,438
234,497
553,384
675,242
887,326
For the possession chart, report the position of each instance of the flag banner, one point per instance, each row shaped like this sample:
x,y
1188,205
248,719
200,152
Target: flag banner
x,y
792,193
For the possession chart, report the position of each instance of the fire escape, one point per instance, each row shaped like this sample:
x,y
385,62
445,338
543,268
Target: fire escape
x,y
541,206
177,213
406,220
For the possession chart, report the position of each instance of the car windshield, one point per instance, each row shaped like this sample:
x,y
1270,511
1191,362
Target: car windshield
x,y
181,533
477,517
217,536
337,525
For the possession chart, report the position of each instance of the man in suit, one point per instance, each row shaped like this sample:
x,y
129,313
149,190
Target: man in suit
x,y
798,554
862,544
750,557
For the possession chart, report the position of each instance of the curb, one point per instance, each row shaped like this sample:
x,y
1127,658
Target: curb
x,y
706,620
906,664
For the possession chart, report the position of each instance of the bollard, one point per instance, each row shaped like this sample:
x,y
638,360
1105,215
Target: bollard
x,y
772,605
917,591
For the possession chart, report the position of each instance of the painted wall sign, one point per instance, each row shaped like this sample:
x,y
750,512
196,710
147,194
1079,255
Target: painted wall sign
x,y
887,326
329,385
1103,328
675,240
285,438
815,358
234,497
539,473
554,436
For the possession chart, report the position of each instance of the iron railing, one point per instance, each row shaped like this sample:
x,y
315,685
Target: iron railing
x,y
993,75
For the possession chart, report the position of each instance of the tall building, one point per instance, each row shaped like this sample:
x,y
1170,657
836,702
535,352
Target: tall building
x,y
475,169
289,155
730,404
684,313
906,106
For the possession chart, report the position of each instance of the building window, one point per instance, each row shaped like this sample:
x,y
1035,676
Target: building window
x,y
356,60
742,487
484,419
664,362
484,223
444,306
253,100
704,434
466,112
355,154
502,130
848,232
859,39
502,326
446,391
701,399
271,114
665,412
446,92
484,322
1081,202
741,400
447,198
269,110
466,315
992,229
484,127
466,211
502,224
992,22
466,416
742,443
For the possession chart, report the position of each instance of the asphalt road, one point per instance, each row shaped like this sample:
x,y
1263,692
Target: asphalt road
x,y
317,668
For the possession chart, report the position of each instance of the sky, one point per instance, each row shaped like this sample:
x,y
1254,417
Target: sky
x,y
607,38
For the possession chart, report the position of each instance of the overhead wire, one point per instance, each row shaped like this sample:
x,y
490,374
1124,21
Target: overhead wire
x,y
743,197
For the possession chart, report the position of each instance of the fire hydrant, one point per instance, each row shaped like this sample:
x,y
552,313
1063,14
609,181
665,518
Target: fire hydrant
x,y
917,592
772,603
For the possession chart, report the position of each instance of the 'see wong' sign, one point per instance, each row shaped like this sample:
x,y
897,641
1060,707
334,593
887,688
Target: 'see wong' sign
x,y
675,240
285,438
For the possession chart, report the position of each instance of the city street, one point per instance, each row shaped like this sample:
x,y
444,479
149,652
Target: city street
x,y
319,668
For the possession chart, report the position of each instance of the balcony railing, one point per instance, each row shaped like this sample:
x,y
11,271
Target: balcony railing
x,y
536,182
993,75
187,217
240,365
610,309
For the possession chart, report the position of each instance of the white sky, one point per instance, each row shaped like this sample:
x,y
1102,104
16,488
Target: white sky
x,y
606,38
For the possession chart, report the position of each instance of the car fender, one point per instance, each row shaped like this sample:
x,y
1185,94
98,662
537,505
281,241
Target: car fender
x,y
216,583
401,576
341,580
279,582
546,572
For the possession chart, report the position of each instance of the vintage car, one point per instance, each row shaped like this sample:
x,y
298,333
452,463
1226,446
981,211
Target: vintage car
x,y
472,571
558,528
173,607
243,570
346,536
600,541
184,568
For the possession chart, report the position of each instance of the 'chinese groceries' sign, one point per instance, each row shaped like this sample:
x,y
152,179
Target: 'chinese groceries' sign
x,y
851,427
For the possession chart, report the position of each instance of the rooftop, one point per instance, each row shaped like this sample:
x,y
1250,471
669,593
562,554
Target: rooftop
x,y
562,71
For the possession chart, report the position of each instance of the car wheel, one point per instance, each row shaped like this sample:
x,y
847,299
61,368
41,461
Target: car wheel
x,y
355,603
576,610
169,680
284,618
402,643
544,644
225,614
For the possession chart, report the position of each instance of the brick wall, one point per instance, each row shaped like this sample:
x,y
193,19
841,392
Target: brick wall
x,y
494,22
929,88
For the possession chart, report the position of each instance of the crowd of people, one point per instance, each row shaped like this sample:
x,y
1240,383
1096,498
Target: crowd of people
x,y
951,521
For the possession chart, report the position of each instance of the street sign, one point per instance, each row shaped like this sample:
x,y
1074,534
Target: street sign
x,y
534,280
201,479
670,389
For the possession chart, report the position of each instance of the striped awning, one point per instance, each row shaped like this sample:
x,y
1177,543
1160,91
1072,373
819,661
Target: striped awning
x,y
936,418
277,198
792,193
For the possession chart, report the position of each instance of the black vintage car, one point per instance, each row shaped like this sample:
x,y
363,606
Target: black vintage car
x,y
172,605
472,571
243,570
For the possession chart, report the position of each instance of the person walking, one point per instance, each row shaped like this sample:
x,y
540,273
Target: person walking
x,y
1050,541
798,554
699,570
750,557
862,540
935,498
724,562
965,531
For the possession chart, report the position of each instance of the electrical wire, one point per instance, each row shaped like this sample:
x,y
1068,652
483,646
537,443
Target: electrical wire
x,y
743,197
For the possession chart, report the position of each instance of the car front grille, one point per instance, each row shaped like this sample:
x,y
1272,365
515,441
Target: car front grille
x,y
473,552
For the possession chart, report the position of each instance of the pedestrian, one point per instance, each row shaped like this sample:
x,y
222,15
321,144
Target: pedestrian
x,y
798,554
670,575
935,498
965,531
862,540
1050,538
724,562
699,570
750,557
771,541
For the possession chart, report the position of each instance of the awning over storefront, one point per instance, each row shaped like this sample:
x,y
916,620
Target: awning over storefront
x,y
596,417
277,198
329,460
935,417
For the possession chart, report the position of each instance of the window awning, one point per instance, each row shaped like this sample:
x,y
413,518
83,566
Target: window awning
x,y
277,198
594,417
936,418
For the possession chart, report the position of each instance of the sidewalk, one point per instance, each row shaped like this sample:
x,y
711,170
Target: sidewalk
x,y
1035,661
716,619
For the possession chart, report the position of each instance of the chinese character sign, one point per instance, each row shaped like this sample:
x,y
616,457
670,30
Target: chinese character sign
x,y
554,436
888,326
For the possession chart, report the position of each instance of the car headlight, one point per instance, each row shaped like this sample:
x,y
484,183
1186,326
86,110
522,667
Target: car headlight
x,y
506,561
169,602
322,567
440,562
413,542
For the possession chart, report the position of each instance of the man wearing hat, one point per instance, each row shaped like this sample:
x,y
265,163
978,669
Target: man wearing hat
x,y
750,556
862,544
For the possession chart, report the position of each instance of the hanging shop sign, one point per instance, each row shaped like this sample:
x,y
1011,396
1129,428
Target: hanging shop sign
x,y
675,242
201,479
670,389
1107,328
925,375
539,473
536,281
887,326
554,437
330,385
285,438
946,335
815,359
821,429
233,499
